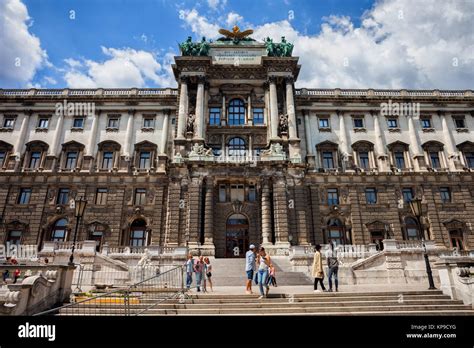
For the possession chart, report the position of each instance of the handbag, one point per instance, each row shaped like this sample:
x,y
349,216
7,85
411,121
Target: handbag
x,y
256,278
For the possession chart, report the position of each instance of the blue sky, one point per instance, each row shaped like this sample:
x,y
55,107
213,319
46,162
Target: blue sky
x,y
341,43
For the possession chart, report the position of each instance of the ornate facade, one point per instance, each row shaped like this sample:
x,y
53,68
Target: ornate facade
x,y
236,155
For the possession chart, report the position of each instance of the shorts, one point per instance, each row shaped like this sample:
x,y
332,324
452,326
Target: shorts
x,y
250,275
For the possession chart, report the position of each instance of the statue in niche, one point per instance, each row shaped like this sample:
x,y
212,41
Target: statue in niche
x,y
190,123
283,123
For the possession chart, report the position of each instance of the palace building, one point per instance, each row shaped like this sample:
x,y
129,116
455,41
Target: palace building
x,y
236,155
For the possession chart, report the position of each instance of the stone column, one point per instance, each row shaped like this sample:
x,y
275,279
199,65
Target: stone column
x,y
224,113
209,211
194,212
183,101
280,212
310,153
266,213
20,140
129,133
380,155
164,132
92,140
290,109
54,149
248,120
448,140
273,110
199,134
416,150
250,151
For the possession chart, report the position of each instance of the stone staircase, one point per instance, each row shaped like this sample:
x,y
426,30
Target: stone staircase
x,y
422,302
231,272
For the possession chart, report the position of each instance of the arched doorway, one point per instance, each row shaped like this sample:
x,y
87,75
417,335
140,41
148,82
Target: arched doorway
x,y
237,235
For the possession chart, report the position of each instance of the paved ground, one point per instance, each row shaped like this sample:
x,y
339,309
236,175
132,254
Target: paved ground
x,y
304,289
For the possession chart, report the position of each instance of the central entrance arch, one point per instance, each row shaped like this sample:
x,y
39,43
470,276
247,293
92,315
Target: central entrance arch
x,y
236,235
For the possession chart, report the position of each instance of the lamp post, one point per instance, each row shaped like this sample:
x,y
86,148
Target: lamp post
x,y
79,208
417,210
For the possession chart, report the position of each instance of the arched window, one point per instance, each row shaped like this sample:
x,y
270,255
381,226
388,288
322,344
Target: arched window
x,y
138,233
236,147
58,233
236,112
335,231
412,230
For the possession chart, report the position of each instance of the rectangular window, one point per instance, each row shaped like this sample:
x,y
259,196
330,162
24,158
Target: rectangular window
x,y
407,194
426,123
107,160
144,160
149,122
392,123
3,155
43,123
445,194
358,123
140,196
364,160
222,193
469,159
113,123
138,237
333,196
252,193
78,123
399,159
14,237
214,116
460,122
434,158
323,123
101,196
8,122
35,160
237,193
370,195
328,160
24,197
258,116
63,196
71,160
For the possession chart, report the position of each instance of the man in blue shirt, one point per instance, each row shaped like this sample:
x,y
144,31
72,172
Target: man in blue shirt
x,y
250,267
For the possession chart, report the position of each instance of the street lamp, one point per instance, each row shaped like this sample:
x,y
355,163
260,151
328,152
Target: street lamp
x,y
79,208
417,211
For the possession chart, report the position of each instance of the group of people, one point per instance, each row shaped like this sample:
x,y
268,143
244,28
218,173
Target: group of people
x,y
259,267
202,269
318,272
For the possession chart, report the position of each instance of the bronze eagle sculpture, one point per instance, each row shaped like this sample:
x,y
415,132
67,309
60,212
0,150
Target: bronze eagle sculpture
x,y
235,33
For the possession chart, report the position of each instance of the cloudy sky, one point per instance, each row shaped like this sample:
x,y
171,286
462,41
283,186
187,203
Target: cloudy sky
x,y
423,44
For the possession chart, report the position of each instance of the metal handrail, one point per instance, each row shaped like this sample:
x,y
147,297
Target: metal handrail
x,y
125,291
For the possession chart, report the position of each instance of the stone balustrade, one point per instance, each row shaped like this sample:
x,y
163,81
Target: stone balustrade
x,y
88,92
456,274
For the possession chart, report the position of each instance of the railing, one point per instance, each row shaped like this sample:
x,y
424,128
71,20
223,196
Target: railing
x,y
88,92
382,92
409,244
134,299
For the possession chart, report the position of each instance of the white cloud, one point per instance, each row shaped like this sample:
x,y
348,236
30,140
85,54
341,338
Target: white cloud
x,y
400,44
233,19
21,54
215,4
124,68
50,80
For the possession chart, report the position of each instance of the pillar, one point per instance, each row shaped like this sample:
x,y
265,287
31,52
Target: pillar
x,y
199,134
290,109
209,214
416,150
92,140
129,133
54,149
182,110
164,132
20,140
266,214
380,155
273,109
280,211
448,140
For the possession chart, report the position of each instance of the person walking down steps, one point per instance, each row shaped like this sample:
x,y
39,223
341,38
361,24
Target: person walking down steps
x,y
318,273
333,267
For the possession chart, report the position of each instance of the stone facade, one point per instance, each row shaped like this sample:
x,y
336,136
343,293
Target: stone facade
x,y
236,155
